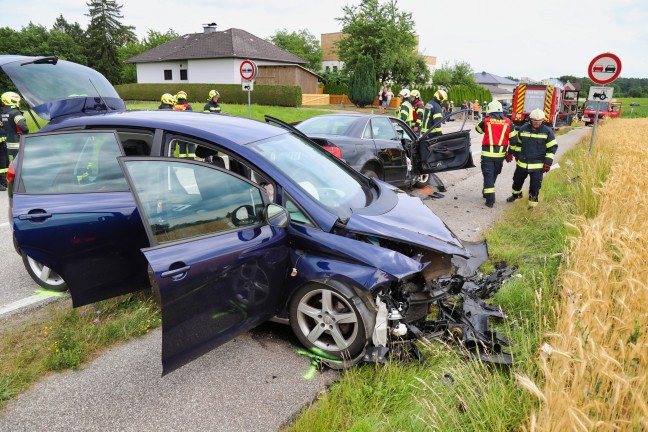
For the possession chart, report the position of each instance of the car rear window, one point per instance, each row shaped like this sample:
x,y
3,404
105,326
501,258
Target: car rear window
x,y
75,162
327,125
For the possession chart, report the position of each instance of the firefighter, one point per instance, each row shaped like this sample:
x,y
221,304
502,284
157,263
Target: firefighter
x,y
212,106
418,110
434,112
497,131
168,100
534,150
13,124
185,149
4,159
406,111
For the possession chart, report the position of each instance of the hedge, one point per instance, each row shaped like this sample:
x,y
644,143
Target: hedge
x,y
277,95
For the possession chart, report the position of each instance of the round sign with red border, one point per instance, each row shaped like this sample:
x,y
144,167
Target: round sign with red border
x,y
248,70
604,68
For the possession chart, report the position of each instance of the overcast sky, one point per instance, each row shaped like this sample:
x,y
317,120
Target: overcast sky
x,y
537,39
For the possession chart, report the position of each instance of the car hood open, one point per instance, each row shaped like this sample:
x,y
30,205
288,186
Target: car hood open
x,y
56,88
400,217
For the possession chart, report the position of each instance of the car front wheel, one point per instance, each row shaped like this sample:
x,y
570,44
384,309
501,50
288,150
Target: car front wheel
x,y
422,180
43,275
325,319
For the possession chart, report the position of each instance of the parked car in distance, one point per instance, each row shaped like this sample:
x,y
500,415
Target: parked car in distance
x,y
386,148
263,224
635,104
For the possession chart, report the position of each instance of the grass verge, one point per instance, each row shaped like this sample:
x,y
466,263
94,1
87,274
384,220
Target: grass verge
x,y
452,393
63,338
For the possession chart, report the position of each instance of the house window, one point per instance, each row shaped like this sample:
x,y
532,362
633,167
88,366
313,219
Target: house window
x,y
334,68
168,74
328,68
183,74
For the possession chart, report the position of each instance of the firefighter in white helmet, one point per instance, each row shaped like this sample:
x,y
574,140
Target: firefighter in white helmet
x,y
406,111
534,150
497,130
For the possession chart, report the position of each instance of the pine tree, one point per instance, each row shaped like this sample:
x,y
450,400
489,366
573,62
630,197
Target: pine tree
x,y
105,34
362,86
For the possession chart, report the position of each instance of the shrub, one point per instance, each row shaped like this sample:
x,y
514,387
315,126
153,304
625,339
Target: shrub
x,y
362,87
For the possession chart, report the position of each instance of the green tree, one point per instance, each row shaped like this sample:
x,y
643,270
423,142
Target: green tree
x,y
386,34
362,86
105,35
301,43
131,49
461,74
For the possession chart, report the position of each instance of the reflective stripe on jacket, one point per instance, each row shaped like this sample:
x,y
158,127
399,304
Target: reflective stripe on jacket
x,y
433,112
497,131
534,147
405,112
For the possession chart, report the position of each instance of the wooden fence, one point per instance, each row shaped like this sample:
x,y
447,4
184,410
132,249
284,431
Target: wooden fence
x,y
325,99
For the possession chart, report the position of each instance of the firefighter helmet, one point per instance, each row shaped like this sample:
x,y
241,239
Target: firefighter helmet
x,y
213,93
441,96
11,99
416,94
537,115
494,107
405,93
181,95
168,98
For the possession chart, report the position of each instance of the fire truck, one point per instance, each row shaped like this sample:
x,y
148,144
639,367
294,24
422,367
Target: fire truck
x,y
606,109
560,105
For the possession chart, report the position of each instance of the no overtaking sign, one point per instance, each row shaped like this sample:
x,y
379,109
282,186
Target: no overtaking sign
x,y
248,70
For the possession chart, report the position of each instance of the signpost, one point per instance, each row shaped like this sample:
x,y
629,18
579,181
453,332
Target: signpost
x,y
248,71
603,69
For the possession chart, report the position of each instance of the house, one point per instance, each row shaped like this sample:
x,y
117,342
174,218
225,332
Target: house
x,y
331,60
501,88
216,56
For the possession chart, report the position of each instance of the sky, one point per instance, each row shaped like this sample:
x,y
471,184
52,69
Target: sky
x,y
536,39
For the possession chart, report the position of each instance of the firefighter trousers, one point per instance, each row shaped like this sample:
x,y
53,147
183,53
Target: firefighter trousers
x,y
491,168
535,182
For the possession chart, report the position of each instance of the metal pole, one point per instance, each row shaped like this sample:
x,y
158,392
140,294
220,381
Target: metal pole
x,y
594,130
250,106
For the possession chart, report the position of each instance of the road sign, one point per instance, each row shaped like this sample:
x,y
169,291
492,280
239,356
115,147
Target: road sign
x,y
600,93
247,85
248,70
604,68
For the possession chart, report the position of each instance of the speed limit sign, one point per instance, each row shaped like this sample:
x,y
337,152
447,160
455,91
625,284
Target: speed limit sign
x,y
248,70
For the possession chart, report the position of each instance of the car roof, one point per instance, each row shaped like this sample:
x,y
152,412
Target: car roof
x,y
215,127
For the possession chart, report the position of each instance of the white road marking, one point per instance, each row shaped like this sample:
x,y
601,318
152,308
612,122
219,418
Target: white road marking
x,y
22,303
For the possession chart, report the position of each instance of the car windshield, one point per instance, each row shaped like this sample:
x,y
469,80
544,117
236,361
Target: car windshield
x,y
328,125
326,180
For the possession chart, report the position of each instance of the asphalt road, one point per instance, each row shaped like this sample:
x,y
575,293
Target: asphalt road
x,y
256,382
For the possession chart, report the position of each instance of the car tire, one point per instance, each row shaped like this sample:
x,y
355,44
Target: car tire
x,y
370,174
316,312
420,181
43,275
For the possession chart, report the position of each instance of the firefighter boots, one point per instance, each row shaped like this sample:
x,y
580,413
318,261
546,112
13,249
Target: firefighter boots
x,y
514,197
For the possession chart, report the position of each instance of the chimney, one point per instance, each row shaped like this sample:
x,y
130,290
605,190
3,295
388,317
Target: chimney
x,y
209,28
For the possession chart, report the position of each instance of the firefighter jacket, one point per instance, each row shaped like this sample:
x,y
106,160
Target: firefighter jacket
x,y
433,112
419,110
164,106
497,130
182,106
534,147
13,124
212,107
406,112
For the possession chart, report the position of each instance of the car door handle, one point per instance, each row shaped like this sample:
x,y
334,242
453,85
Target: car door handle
x,y
31,216
175,272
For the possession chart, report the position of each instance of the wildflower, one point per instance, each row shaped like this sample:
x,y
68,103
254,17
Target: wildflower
x,y
98,312
83,312
92,308
87,336
96,321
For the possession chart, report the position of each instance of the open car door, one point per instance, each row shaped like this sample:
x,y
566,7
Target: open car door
x,y
217,262
447,152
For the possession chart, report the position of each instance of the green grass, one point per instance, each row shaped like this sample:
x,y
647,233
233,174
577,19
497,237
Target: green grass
x,y
63,338
628,111
477,396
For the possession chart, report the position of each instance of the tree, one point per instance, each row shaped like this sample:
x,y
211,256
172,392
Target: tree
x,y
303,44
384,33
105,35
131,49
461,74
362,86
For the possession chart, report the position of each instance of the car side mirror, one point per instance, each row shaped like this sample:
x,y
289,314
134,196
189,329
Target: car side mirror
x,y
277,216
243,216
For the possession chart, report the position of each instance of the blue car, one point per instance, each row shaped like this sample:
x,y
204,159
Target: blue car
x,y
262,224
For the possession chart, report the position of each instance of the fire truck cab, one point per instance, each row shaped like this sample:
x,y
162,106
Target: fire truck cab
x,y
611,109
560,105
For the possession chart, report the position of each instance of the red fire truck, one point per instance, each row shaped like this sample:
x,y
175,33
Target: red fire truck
x,y
610,109
560,105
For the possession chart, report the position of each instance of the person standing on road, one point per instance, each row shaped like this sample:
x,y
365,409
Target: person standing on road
x,y
476,111
390,95
406,111
13,122
167,100
185,149
534,153
382,99
213,106
418,109
434,112
497,131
